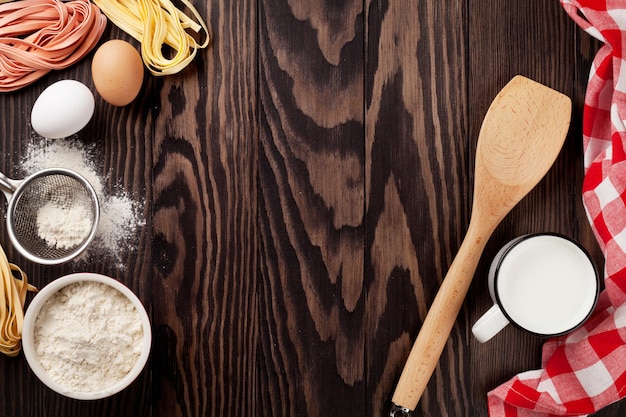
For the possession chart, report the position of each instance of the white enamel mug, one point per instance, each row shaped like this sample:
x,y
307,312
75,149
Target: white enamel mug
x,y
544,283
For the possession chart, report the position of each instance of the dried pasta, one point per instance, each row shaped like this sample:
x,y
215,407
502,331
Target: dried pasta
x,y
13,292
37,36
155,23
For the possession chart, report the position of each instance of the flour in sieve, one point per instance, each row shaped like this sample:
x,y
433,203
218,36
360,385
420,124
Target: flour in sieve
x,y
120,215
88,336
68,233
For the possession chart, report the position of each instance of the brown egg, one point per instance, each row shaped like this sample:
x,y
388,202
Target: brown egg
x,y
117,72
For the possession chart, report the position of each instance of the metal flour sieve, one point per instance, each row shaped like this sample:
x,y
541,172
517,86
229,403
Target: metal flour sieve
x,y
58,186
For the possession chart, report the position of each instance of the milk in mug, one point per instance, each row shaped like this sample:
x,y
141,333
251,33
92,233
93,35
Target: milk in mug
x,y
545,284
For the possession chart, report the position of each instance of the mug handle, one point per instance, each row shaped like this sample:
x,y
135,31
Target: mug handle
x,y
489,324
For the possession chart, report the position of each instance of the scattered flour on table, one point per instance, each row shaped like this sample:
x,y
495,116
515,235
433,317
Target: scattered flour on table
x,y
88,336
120,214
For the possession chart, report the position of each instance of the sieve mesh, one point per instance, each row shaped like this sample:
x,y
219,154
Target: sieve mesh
x,y
56,188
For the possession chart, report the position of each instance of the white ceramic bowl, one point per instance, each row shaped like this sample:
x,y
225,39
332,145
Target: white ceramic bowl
x,y
28,342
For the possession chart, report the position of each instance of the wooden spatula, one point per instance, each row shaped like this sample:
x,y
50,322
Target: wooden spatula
x,y
520,138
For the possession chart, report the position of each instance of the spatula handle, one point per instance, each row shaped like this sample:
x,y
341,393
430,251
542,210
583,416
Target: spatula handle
x,y
439,321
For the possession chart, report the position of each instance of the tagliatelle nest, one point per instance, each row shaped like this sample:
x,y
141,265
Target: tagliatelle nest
x,y
13,296
158,23
38,36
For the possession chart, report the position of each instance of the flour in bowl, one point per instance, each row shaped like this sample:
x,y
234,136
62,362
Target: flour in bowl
x,y
88,336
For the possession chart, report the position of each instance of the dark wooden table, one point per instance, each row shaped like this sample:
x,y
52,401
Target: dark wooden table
x,y
307,181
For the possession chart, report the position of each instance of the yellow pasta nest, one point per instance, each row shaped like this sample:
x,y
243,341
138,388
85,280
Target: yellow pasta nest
x,y
13,291
156,23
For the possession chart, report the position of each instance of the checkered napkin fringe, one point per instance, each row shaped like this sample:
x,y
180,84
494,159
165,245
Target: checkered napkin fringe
x,y
586,370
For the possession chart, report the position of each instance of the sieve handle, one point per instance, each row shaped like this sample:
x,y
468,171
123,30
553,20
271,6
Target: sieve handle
x,y
8,186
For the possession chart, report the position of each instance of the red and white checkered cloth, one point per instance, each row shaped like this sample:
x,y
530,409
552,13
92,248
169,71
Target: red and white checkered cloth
x,y
586,370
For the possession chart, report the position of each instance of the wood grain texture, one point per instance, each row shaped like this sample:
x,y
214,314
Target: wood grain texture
x,y
311,186
307,182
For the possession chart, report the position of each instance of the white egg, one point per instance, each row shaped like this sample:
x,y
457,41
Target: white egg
x,y
62,109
